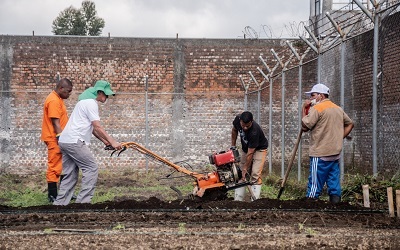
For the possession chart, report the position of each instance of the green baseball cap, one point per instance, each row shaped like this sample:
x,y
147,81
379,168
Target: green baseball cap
x,y
91,93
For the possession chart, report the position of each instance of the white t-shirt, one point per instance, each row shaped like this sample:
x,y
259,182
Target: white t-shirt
x,y
79,126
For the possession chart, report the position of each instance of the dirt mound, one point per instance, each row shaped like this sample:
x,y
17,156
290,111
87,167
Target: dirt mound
x,y
155,203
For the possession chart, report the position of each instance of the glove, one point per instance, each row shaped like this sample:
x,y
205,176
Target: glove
x,y
109,147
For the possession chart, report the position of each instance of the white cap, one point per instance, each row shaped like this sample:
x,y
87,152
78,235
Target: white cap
x,y
319,88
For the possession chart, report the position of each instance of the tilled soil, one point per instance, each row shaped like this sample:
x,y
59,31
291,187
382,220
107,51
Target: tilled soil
x,y
199,224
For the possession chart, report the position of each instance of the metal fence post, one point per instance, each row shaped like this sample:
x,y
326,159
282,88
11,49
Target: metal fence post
x,y
375,18
259,85
282,113
270,114
342,67
246,87
146,120
299,99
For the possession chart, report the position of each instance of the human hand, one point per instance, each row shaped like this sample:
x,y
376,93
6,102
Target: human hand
x,y
307,103
244,173
306,106
116,145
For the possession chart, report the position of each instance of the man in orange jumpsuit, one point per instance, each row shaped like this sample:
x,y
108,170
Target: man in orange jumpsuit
x,y
55,118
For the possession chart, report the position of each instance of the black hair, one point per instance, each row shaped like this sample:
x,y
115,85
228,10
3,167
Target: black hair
x,y
246,117
101,91
64,82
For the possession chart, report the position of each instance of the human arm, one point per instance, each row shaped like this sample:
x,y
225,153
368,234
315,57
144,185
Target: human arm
x,y
247,164
304,128
102,135
306,107
234,135
56,125
347,129
310,117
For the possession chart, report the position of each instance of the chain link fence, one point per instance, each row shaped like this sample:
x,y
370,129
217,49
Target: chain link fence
x,y
355,51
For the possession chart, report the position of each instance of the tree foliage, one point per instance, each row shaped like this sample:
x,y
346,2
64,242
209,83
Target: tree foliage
x,y
79,22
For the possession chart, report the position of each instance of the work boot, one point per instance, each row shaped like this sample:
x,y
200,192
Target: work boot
x,y
256,191
334,199
239,193
52,191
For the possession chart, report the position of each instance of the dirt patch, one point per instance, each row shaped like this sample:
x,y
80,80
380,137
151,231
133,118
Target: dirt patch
x,y
189,224
151,222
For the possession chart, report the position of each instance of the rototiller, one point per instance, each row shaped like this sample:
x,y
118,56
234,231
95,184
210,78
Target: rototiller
x,y
212,185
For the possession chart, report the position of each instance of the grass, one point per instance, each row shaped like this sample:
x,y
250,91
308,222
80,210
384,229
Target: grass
x,y
31,190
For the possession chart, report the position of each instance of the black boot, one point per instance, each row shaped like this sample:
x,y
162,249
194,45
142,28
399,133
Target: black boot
x,y
334,199
52,191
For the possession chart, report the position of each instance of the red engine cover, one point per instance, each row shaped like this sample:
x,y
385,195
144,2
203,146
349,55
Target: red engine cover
x,y
224,158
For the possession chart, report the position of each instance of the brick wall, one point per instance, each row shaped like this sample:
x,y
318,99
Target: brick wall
x,y
194,92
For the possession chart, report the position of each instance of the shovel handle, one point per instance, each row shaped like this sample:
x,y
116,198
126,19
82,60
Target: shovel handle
x,y
296,146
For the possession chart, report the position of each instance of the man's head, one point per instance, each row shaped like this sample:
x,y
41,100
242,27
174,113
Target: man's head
x,y
103,89
246,120
318,93
64,88
100,91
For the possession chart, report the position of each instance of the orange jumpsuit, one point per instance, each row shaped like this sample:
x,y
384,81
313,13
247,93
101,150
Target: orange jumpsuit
x,y
54,107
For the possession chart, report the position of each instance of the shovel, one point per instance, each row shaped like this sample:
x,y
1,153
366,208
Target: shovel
x,y
296,146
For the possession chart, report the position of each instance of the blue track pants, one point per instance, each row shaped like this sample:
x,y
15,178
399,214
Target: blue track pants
x,y
322,172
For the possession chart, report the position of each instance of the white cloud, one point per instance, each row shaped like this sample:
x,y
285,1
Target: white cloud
x,y
159,18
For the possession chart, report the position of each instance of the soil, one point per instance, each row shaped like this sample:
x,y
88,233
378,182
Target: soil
x,y
150,221
199,224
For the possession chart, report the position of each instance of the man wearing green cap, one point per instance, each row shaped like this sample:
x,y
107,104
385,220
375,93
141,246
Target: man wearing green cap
x,y
74,141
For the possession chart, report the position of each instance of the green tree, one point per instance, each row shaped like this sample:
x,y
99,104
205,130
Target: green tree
x,y
79,22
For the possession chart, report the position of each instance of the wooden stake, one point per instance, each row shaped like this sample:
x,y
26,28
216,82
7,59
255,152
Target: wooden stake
x,y
390,201
398,203
365,189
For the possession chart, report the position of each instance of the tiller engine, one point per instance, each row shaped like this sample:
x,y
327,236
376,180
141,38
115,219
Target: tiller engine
x,y
226,177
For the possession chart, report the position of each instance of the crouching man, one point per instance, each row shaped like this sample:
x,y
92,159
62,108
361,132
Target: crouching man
x,y
254,152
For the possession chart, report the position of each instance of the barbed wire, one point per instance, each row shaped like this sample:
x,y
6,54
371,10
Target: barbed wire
x,y
348,16
292,29
351,20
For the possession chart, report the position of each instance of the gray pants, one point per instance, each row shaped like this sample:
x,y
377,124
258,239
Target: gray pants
x,y
77,156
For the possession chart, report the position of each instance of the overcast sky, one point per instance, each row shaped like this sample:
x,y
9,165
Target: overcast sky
x,y
164,18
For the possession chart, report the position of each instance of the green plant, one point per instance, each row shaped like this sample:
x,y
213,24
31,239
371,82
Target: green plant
x,y
48,230
22,191
119,226
307,230
182,228
352,187
292,189
310,231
